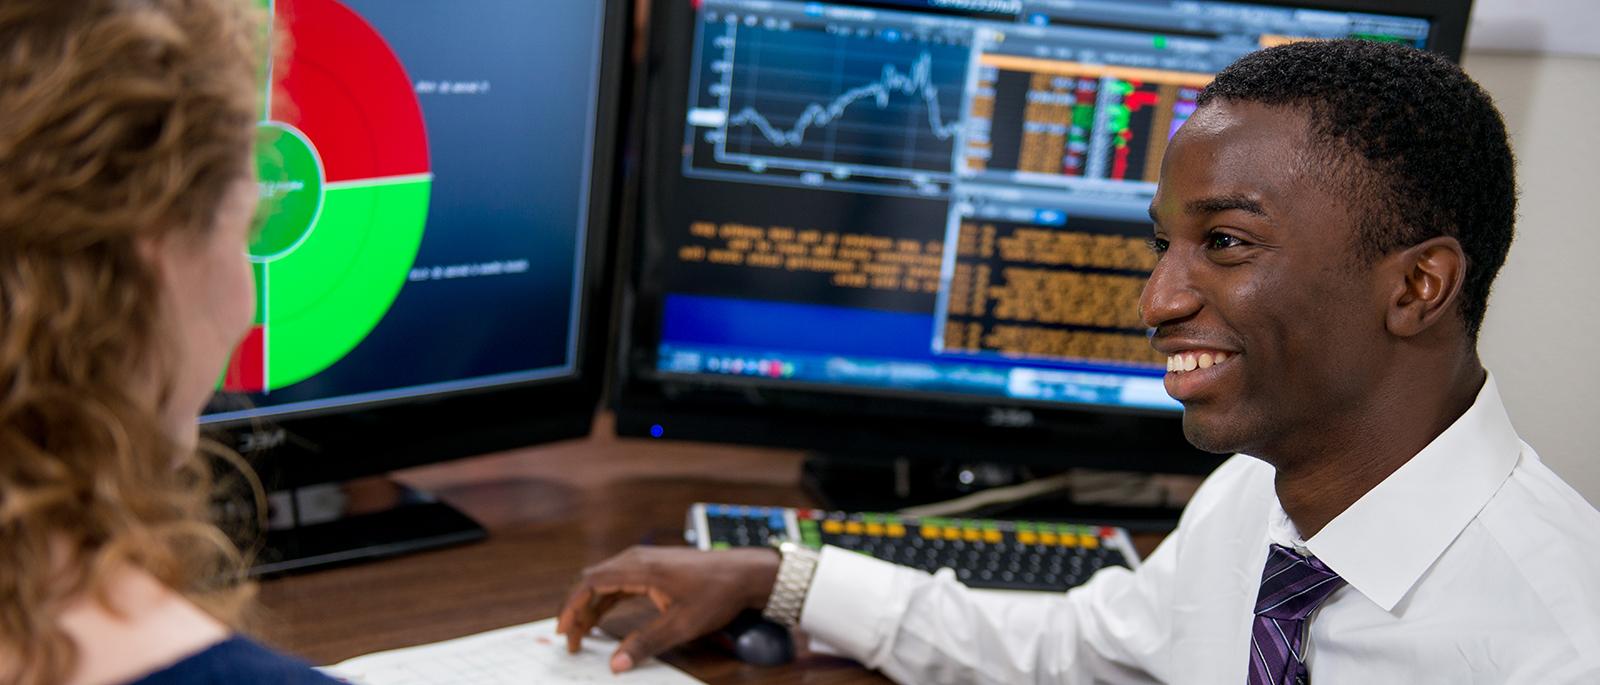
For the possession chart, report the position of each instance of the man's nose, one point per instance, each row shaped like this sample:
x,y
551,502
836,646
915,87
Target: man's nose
x,y
1170,294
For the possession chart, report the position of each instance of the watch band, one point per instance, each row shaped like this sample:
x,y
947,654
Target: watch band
x,y
788,596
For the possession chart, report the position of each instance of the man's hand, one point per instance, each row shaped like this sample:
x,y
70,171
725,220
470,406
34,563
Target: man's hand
x,y
696,592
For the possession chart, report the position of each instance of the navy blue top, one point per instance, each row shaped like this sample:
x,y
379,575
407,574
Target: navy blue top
x,y
237,661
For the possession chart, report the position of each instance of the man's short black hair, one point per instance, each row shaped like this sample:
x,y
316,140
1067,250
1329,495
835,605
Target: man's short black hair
x,y
1424,143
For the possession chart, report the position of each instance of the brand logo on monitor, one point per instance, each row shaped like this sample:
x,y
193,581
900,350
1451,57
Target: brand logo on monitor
x,y
261,441
1009,418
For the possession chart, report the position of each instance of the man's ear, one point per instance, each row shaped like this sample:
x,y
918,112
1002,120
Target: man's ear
x,y
1426,280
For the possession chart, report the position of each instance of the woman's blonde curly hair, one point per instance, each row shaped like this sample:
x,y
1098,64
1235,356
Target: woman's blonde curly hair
x,y
121,121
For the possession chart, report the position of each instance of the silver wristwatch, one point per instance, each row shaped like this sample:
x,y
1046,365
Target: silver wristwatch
x,y
788,596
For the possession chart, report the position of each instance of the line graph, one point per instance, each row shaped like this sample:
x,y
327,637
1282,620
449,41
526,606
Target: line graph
x,y
917,84
813,103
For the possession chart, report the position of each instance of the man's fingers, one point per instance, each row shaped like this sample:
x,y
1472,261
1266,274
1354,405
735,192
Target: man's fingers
x,y
583,612
578,597
567,619
666,577
588,617
616,575
656,637
662,600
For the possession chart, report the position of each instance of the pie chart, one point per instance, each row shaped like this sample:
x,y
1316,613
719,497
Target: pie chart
x,y
342,158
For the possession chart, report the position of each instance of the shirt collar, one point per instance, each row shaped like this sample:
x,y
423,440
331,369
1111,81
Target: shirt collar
x,y
1384,542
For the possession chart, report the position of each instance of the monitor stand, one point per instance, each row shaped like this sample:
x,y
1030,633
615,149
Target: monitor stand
x,y
339,523
849,483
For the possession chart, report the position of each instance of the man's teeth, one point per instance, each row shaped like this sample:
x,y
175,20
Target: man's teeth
x,y
1190,361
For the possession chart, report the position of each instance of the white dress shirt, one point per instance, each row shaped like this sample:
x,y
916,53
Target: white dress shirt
x,y
1472,563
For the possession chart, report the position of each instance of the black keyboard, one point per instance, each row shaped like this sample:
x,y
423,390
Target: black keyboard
x,y
985,553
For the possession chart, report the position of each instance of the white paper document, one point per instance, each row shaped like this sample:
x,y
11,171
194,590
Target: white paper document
x,y
529,653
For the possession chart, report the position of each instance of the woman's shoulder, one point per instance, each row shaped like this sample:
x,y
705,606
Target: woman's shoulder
x,y
140,631
237,661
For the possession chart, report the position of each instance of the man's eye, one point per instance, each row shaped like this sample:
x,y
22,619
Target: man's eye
x,y
1157,245
1222,241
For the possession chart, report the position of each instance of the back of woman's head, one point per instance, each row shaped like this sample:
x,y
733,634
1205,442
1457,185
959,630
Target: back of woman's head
x,y
124,122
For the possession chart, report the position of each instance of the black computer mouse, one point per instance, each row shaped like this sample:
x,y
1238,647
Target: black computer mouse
x,y
755,640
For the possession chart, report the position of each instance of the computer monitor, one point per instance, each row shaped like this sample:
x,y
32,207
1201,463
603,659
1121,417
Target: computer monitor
x,y
432,259
918,227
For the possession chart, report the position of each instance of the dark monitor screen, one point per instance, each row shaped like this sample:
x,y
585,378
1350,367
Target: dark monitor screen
x,y
924,212
436,187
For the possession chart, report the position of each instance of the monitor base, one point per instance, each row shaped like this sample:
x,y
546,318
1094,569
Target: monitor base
x,y
878,485
354,525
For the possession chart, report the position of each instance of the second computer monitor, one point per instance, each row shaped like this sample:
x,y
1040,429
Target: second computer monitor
x,y
430,265
920,226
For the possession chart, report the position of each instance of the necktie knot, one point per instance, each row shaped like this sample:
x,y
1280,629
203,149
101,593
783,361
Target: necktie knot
x,y
1293,586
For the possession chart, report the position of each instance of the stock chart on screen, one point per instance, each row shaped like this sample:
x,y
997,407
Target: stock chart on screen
x,y
939,195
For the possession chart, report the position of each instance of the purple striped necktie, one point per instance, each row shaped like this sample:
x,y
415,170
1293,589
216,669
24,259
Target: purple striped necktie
x,y
1292,587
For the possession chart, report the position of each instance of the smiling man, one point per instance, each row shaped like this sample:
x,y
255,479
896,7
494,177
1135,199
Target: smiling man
x,y
1329,223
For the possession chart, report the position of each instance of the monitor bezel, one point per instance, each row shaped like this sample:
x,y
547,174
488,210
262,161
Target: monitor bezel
x,y
335,444
870,422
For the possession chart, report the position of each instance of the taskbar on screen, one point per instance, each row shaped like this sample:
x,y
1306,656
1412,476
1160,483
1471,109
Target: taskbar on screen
x,y
1103,388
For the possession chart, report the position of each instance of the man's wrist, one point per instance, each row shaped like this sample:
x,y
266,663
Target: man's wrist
x,y
762,569
796,568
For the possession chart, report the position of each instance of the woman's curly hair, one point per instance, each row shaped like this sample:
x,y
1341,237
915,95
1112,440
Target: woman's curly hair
x,y
121,121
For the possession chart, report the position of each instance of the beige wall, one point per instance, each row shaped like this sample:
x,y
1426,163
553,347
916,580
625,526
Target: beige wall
x,y
1542,335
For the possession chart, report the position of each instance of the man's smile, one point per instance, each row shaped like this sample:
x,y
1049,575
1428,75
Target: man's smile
x,y
1192,371
1195,359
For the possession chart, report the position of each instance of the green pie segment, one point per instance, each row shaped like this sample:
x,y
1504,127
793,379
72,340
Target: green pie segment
x,y
324,296
291,178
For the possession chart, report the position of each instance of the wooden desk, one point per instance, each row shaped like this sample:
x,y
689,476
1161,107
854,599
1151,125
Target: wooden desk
x,y
550,511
